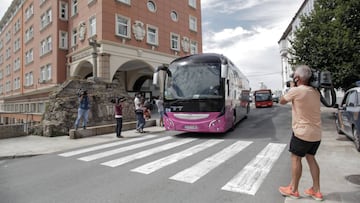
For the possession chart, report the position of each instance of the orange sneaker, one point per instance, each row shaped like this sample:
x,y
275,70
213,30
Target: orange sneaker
x,y
315,195
287,192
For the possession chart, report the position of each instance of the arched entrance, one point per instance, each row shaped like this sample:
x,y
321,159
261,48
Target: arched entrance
x,y
136,76
84,70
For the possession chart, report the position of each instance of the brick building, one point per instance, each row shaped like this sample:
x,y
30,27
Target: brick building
x,y
43,43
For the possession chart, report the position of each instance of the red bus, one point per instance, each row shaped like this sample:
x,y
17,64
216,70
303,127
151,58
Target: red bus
x,y
263,98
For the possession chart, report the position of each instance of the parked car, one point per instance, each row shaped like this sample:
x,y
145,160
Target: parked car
x,y
347,117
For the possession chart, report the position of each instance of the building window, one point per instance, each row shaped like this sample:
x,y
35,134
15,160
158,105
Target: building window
x,y
7,70
8,86
46,46
45,73
29,34
92,26
41,108
42,1
7,36
17,45
29,79
151,6
174,16
192,3
29,12
122,26
1,59
17,26
193,47
8,53
29,56
17,83
74,37
125,1
74,7
192,23
152,35
63,42
63,10
90,1
175,41
17,64
46,19
1,74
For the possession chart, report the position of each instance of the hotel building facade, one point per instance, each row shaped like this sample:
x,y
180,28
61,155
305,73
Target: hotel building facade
x,y
43,43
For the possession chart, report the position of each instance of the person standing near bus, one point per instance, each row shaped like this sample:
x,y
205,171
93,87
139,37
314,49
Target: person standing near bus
x,y
140,118
160,106
306,135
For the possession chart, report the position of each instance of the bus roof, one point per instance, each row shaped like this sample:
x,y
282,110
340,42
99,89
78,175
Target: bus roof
x,y
200,58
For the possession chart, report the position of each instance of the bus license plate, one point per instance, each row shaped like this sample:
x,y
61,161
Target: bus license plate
x,y
191,127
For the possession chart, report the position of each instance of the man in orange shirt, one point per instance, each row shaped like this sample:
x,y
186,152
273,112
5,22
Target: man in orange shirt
x,y
306,136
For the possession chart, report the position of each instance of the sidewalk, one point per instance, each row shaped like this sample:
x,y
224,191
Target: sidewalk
x,y
33,145
338,160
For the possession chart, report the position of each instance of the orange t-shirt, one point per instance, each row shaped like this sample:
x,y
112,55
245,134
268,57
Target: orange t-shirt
x,y
306,115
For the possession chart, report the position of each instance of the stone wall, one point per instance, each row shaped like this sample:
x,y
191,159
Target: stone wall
x,y
9,131
61,112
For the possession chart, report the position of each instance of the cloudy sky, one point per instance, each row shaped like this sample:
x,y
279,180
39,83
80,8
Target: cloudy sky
x,y
246,31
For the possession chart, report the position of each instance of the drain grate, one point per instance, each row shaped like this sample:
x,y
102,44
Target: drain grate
x,y
355,179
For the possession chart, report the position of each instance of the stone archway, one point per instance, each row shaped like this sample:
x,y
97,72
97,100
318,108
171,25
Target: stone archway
x,y
135,76
84,70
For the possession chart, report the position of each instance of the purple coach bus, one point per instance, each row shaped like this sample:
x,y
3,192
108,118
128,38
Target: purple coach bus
x,y
203,93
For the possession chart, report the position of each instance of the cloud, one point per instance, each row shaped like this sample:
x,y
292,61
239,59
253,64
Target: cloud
x,y
5,4
247,32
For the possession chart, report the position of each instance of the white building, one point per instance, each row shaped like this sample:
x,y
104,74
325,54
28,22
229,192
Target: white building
x,y
284,42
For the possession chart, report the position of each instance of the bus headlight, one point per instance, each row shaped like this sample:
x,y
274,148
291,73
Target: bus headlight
x,y
215,124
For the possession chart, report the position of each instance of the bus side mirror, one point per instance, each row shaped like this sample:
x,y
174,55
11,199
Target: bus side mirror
x,y
224,71
155,78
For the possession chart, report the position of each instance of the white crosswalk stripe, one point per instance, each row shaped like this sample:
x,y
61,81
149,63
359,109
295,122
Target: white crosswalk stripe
x,y
126,159
123,149
250,178
160,163
197,171
103,146
247,181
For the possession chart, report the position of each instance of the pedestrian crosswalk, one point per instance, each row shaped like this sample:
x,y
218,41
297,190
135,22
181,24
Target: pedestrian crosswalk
x,y
247,181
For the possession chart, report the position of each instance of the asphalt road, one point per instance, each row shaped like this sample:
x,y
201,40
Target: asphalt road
x,y
244,165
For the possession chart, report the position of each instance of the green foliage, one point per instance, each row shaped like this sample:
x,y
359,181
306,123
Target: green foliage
x,y
329,39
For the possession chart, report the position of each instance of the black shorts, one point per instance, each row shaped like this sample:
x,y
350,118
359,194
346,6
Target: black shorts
x,y
301,147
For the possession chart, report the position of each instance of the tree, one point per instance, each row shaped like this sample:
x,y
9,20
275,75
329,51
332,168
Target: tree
x,y
329,39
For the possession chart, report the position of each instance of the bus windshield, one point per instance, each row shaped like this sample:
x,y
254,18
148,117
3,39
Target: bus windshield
x,y
193,81
263,96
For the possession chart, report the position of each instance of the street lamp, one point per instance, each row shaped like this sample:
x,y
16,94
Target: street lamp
x,y
94,44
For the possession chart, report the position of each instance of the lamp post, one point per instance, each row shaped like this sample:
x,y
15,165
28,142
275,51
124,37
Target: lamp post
x,y
95,45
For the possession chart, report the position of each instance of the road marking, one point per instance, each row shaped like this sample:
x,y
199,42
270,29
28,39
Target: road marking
x,y
103,146
126,159
123,149
160,163
197,171
249,179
